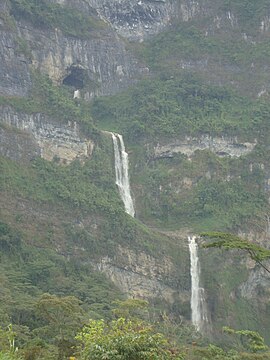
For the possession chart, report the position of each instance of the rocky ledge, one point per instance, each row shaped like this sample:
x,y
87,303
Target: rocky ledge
x,y
140,275
50,140
221,146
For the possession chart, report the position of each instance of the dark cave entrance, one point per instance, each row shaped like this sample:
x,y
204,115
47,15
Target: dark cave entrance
x,y
76,77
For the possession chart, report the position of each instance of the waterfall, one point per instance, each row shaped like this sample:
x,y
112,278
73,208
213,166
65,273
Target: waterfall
x,y
121,172
198,304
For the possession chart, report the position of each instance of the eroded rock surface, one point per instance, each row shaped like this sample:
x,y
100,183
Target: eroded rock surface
x,y
107,64
221,146
47,138
140,275
15,79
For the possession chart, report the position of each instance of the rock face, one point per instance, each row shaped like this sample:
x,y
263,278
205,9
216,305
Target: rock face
x,y
103,56
17,145
143,276
258,280
139,19
135,19
107,65
221,146
106,62
40,135
15,77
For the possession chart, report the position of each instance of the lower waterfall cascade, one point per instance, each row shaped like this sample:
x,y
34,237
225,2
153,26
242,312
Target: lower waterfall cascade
x,y
121,172
198,304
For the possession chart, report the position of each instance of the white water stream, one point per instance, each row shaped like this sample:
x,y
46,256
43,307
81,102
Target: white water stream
x,y
198,304
121,172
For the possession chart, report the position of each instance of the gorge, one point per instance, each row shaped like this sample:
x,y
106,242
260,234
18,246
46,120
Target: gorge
x,y
186,83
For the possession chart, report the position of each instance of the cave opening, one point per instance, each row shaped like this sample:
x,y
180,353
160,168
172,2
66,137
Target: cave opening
x,y
76,77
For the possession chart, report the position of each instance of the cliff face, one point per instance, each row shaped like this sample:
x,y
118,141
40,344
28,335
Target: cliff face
x,y
106,64
141,275
137,20
103,56
14,72
46,138
219,146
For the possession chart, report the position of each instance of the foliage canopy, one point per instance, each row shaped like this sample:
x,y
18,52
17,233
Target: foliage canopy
x,y
229,242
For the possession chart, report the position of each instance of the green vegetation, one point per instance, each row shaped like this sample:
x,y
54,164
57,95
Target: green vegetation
x,y
230,242
52,100
90,186
224,47
187,42
255,342
213,352
177,105
7,21
82,190
45,323
58,220
187,45
205,192
179,192
249,12
55,101
132,337
227,282
40,269
23,48
122,339
129,339
50,16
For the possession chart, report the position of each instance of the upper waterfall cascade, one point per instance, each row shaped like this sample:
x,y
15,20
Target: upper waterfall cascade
x,y
121,172
198,303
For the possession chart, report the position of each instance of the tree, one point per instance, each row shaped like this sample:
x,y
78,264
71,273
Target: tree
x,y
8,351
131,308
122,339
252,340
255,341
229,242
64,317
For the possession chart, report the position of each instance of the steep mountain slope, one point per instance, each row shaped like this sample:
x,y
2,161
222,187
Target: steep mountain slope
x,y
195,118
